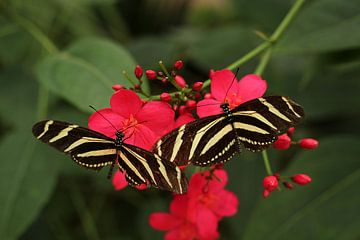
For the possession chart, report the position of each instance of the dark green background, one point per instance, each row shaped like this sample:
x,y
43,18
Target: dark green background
x,y
78,49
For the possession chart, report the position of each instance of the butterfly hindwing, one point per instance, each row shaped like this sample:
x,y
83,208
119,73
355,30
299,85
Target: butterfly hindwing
x,y
87,148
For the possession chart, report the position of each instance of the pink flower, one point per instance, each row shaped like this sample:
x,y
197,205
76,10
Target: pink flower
x,y
224,88
119,180
183,119
142,123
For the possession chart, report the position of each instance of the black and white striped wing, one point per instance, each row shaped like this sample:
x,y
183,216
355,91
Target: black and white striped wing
x,y
87,148
215,139
258,122
145,167
202,142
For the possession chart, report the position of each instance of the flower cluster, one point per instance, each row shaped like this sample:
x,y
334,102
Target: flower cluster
x,y
195,215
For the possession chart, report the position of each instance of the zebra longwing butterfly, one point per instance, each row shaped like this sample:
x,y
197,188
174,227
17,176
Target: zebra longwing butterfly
x,y
94,150
254,125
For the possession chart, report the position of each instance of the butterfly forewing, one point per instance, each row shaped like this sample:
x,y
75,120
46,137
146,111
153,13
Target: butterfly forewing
x,y
87,148
215,139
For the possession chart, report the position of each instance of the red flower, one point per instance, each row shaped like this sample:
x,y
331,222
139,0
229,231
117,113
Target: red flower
x,y
283,142
119,180
175,222
225,89
183,119
141,123
209,201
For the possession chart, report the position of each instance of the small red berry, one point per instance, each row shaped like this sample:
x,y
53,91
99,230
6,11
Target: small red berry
x,y
301,179
191,103
137,86
283,142
270,183
208,96
165,97
180,81
138,71
288,185
309,143
150,74
197,86
117,87
266,193
178,65
290,131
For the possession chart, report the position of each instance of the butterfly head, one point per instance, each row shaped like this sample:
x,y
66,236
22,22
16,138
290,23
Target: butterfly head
x,y
119,138
225,107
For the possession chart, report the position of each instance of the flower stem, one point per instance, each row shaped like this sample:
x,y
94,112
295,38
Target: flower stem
x,y
266,162
169,76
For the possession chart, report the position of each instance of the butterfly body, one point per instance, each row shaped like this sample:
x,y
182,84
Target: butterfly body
x,y
253,125
94,150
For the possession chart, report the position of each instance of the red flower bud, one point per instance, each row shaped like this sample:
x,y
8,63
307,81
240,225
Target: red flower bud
x,y
178,65
117,87
164,81
150,74
208,96
301,179
141,186
266,193
191,103
165,97
270,183
175,107
197,86
197,95
137,86
180,81
288,185
309,143
277,175
290,131
283,142
138,71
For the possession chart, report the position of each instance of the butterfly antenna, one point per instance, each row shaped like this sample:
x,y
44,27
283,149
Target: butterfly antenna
x,y
236,73
104,118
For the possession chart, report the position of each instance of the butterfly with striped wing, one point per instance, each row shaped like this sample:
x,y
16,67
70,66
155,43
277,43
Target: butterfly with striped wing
x,y
253,125
94,150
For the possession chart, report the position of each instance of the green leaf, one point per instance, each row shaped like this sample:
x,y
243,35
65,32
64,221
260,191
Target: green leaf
x,y
326,25
84,73
328,208
219,47
27,176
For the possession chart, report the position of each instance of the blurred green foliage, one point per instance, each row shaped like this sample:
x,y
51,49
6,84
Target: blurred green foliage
x,y
57,57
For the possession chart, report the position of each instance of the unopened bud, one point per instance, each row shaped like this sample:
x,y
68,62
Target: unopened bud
x,y
290,131
270,183
182,110
208,96
283,142
137,86
178,65
165,97
180,81
117,87
309,143
266,193
138,71
288,185
150,74
301,179
197,86
191,103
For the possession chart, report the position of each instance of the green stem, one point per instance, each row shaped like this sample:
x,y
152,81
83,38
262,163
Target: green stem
x,y
169,76
266,162
263,62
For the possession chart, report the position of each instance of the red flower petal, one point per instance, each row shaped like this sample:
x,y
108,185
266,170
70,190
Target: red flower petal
x,y
218,181
125,102
208,107
179,205
98,123
119,180
207,223
250,87
163,221
221,82
227,204
183,119
140,136
196,185
157,116
187,231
